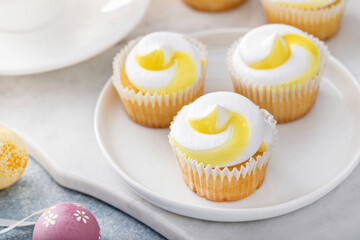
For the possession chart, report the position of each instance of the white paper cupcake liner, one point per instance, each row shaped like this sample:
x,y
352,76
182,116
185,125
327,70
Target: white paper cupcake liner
x,y
282,101
321,22
156,103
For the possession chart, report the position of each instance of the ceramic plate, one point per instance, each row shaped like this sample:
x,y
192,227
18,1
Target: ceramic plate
x,y
313,155
80,31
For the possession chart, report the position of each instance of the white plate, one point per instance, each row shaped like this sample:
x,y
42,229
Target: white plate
x,y
80,31
313,155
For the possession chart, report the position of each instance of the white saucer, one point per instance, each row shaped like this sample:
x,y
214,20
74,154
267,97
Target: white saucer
x,y
80,31
313,155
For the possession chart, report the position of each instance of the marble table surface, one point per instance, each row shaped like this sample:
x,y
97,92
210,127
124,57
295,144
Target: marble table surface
x,y
38,105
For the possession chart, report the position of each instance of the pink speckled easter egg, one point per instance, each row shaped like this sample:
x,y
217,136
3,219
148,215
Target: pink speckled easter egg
x,y
67,221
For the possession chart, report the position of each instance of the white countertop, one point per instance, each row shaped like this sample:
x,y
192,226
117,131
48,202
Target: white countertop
x,y
56,110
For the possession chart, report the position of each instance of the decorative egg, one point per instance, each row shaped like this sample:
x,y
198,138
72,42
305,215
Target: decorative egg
x,y
67,221
13,157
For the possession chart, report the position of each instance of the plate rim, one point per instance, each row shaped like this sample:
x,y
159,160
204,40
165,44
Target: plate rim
x,y
94,51
216,214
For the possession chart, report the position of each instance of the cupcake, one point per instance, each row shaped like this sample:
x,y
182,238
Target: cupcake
x,y
319,18
223,143
213,5
279,68
157,74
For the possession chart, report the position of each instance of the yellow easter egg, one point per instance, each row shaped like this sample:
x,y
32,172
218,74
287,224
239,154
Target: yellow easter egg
x,y
13,157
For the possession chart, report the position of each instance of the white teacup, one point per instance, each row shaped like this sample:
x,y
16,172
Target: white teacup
x,y
24,15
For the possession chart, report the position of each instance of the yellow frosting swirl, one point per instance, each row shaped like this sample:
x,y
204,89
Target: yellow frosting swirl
x,y
163,63
231,149
281,52
185,70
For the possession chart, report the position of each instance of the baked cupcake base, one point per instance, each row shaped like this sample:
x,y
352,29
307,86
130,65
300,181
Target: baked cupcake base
x,y
213,5
320,22
217,189
226,183
156,110
286,103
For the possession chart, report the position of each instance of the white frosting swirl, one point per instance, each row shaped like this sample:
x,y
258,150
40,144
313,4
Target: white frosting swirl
x,y
167,42
257,44
182,133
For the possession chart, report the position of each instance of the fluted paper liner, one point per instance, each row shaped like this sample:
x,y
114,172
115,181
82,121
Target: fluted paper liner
x,y
285,103
213,5
156,110
321,22
227,183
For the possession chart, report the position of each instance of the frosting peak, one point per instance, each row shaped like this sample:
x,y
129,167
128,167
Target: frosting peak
x,y
279,54
215,122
